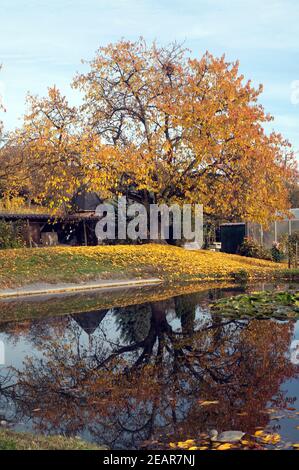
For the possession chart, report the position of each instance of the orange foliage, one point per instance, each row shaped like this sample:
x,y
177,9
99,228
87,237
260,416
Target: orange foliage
x,y
161,127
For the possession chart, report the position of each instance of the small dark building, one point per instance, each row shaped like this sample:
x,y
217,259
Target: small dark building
x,y
42,228
45,229
232,236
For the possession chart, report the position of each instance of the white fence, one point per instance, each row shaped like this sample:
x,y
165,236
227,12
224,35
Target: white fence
x,y
267,237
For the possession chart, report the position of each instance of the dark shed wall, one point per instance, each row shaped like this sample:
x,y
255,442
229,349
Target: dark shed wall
x,y
232,236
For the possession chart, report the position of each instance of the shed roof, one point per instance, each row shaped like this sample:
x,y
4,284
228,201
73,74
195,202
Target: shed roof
x,y
48,217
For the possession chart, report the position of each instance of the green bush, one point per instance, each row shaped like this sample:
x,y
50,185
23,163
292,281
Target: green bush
x,y
277,253
289,244
252,249
11,235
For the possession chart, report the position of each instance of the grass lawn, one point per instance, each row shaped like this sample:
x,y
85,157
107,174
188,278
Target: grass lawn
x,y
78,264
10,440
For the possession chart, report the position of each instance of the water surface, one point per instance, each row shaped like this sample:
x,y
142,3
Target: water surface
x,y
133,376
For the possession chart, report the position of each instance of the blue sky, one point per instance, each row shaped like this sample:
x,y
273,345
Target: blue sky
x,y
43,41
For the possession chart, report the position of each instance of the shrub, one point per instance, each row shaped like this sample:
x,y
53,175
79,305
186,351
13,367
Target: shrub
x,y
290,246
277,253
11,235
252,249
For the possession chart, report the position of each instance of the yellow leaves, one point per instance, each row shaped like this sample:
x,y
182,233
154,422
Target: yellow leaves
x,y
186,444
165,262
267,438
271,438
244,442
189,444
225,446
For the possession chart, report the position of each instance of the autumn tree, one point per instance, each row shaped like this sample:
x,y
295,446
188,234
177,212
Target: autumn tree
x,y
185,130
159,127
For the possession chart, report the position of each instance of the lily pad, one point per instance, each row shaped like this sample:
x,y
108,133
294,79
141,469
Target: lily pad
x,y
278,305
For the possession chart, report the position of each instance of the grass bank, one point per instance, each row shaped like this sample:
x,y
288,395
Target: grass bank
x,y
10,440
21,267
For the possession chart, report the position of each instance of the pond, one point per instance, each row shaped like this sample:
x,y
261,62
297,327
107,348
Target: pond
x,y
144,368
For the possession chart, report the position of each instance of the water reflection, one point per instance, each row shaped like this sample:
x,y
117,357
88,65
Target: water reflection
x,y
133,375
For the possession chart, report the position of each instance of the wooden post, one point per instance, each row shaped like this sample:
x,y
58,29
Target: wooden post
x,y
29,234
85,233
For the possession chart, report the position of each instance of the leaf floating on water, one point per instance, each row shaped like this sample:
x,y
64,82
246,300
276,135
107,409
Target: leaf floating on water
x,y
226,446
267,438
185,444
244,442
209,402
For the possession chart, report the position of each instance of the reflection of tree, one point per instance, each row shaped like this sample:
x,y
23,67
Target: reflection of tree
x,y
150,381
133,322
185,307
